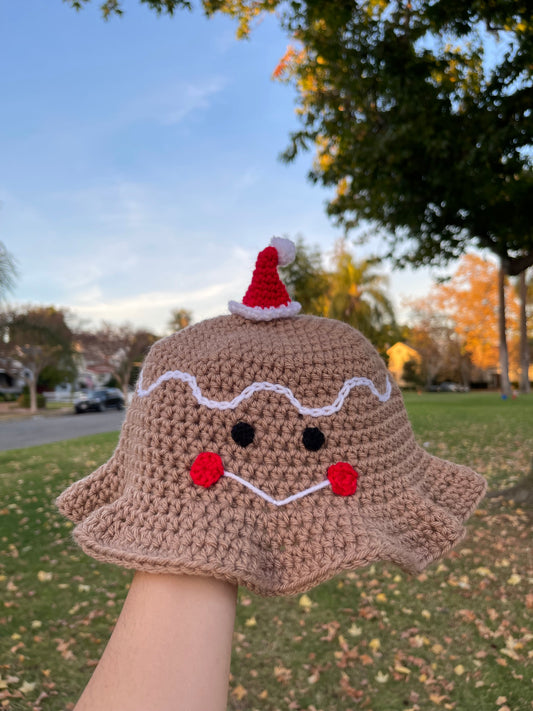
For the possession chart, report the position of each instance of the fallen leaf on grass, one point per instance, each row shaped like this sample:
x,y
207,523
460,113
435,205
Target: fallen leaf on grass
x,y
239,692
348,689
63,647
487,572
331,629
42,696
282,674
27,687
313,678
366,659
355,631
436,698
305,602
401,669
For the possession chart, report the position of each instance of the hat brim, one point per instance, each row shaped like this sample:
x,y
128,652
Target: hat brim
x,y
83,497
419,523
426,520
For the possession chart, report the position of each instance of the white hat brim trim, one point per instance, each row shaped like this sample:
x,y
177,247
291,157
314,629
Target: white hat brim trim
x,y
258,313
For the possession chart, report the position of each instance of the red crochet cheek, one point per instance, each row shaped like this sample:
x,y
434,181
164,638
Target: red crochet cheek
x,y
343,479
207,469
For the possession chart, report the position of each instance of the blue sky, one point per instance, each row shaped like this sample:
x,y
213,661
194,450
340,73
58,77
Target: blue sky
x,y
139,165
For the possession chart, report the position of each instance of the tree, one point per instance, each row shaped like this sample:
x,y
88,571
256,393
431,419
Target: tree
x,y
357,295
416,128
8,272
470,300
34,338
432,335
464,311
53,375
114,7
525,293
306,279
351,291
412,373
121,348
179,319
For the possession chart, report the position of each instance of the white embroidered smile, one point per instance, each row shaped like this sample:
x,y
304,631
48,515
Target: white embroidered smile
x,y
270,499
207,469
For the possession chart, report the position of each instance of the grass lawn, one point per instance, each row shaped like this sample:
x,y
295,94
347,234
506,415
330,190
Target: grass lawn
x,y
455,637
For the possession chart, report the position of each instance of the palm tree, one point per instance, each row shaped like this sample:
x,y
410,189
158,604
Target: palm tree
x,y
179,319
306,279
357,294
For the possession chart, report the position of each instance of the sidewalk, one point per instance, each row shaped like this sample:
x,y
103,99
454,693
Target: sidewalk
x,y
9,411
31,430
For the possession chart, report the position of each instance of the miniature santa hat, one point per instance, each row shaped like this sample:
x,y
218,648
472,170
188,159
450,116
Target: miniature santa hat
x,y
267,298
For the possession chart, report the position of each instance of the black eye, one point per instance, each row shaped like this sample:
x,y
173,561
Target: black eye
x,y
243,434
313,439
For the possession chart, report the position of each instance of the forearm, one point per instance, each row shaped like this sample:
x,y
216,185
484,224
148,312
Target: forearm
x,y
170,649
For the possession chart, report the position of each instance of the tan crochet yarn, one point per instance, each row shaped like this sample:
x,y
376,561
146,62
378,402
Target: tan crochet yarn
x,y
278,405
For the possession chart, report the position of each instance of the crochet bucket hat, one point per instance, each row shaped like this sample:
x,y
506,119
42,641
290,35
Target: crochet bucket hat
x,y
272,450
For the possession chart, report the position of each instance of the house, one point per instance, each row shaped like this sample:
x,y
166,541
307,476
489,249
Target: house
x,y
11,383
399,354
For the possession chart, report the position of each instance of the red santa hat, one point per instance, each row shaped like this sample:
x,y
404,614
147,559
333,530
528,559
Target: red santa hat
x,y
267,298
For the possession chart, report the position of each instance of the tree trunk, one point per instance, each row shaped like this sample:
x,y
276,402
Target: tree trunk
x,y
33,395
505,385
126,384
524,345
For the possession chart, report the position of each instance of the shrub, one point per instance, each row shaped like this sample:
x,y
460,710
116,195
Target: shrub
x,y
24,400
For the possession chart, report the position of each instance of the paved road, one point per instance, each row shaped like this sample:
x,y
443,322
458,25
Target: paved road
x,y
42,430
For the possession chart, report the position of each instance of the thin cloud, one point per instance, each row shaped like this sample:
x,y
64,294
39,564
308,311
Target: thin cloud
x,y
153,309
170,105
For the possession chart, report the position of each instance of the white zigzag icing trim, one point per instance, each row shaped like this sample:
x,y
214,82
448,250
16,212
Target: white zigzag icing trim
x,y
271,387
270,499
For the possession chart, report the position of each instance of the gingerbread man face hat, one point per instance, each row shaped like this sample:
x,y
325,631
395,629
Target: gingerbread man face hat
x,y
272,450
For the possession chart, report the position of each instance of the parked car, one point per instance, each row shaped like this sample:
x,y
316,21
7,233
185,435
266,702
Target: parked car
x,y
99,400
453,388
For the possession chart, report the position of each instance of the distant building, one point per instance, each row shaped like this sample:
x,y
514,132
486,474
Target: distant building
x,y
11,382
93,371
399,354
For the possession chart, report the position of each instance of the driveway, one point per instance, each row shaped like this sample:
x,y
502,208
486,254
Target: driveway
x,y
42,430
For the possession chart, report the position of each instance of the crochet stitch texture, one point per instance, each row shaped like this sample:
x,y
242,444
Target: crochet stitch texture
x,y
143,509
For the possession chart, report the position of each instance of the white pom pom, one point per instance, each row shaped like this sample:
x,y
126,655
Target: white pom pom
x,y
285,248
